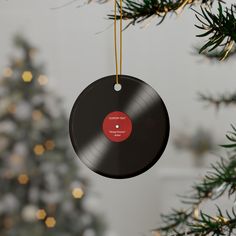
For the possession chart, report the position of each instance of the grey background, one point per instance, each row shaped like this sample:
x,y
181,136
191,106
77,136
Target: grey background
x,y
162,56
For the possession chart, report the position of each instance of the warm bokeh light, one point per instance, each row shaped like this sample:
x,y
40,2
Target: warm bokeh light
x,y
15,159
39,149
42,80
77,193
23,179
27,76
50,222
11,108
7,72
37,115
41,214
8,222
156,233
49,144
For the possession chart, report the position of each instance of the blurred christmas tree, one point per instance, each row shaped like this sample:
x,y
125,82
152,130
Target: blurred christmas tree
x,y
42,192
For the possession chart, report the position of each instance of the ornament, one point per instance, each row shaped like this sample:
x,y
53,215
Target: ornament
x,y
119,134
119,125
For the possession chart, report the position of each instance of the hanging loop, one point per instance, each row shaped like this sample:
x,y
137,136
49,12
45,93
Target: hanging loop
x,y
115,40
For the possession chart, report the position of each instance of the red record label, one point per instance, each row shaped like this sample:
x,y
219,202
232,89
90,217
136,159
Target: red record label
x,y
117,126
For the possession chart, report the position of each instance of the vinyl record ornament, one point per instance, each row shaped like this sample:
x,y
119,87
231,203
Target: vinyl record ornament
x,y
119,132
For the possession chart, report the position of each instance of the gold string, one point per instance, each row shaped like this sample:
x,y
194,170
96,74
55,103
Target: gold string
x,y
115,39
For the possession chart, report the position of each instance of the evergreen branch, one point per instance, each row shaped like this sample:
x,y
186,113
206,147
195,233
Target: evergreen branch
x,y
216,182
220,28
215,55
176,220
228,99
218,225
140,11
186,223
213,225
222,177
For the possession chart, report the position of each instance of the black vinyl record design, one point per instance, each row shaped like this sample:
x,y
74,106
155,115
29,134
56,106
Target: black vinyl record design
x,y
119,134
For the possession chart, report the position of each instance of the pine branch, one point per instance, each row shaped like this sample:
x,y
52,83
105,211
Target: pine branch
x,y
205,224
175,221
220,28
222,177
140,11
213,225
215,55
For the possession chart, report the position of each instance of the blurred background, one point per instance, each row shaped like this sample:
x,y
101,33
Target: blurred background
x,y
69,48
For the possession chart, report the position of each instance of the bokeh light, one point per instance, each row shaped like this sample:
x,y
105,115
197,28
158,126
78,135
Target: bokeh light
x,y
37,115
50,222
7,72
42,80
27,76
23,179
49,144
77,192
39,149
41,214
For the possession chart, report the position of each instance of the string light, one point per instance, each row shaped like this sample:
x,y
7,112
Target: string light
x,y
39,149
77,193
224,220
23,179
221,219
7,72
50,222
42,80
49,144
196,213
37,115
41,214
27,76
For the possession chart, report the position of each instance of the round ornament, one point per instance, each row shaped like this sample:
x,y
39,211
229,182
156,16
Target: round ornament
x,y
119,133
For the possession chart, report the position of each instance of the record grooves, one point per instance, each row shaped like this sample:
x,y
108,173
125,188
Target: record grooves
x,y
119,134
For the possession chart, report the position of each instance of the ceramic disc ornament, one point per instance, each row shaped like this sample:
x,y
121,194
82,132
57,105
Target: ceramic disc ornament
x,y
119,134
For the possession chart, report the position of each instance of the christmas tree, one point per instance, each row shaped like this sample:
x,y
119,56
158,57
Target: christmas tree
x,y
42,191
218,23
